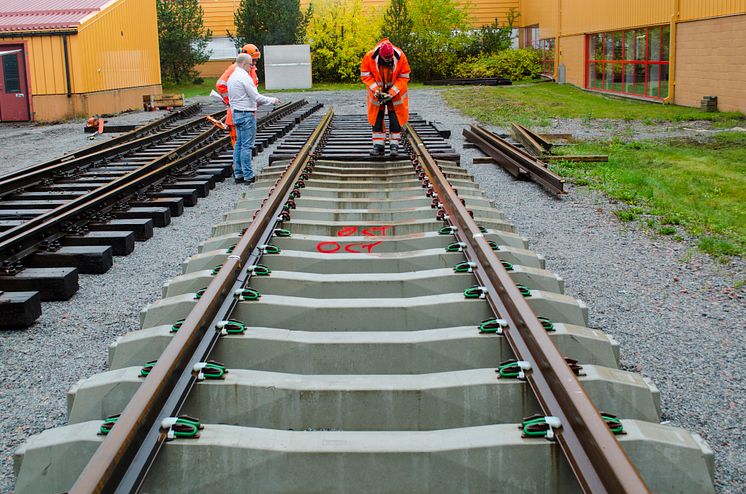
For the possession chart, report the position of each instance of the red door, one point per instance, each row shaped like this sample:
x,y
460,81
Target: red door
x,y
14,97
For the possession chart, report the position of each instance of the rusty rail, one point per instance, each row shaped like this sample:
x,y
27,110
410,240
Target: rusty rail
x,y
517,162
123,459
595,456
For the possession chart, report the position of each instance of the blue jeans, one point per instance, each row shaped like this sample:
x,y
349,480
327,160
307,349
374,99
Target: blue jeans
x,y
245,122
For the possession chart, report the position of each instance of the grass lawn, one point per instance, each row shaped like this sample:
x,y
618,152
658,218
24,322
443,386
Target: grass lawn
x,y
534,104
686,186
190,89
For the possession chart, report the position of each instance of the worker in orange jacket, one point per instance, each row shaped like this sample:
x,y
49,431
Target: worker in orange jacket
x,y
222,85
385,72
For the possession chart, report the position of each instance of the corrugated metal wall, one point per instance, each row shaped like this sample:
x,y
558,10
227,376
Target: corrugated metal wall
x,y
218,15
588,16
541,12
46,63
700,9
118,48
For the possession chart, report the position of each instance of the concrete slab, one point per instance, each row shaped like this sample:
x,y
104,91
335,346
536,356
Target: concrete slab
x,y
360,314
356,352
484,458
443,400
510,246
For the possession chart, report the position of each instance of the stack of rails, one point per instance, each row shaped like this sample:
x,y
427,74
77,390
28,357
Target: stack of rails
x,y
350,327
72,215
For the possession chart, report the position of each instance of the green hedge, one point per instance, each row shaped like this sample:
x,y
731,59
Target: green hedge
x,y
511,64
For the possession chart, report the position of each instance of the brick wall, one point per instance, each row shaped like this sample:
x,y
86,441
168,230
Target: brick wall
x,y
711,61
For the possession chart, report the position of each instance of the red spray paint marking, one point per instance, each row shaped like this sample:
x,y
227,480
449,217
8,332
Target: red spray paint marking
x,y
329,247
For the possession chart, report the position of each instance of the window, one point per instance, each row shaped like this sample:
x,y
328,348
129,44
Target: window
x,y
632,62
546,47
12,76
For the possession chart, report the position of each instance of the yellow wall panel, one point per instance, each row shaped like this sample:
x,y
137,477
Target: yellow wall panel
x,y
700,9
218,15
584,16
541,12
118,48
46,63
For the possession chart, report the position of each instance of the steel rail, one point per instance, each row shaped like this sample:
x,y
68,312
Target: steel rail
x,y
23,239
515,161
595,456
30,176
122,460
126,137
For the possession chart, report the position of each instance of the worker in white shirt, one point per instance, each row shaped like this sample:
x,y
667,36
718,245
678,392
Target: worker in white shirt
x,y
244,98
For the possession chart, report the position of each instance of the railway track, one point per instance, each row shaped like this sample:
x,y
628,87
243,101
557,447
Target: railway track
x,y
364,326
74,214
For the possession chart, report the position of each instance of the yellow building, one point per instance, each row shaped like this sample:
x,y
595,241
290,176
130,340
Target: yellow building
x,y
664,50
63,58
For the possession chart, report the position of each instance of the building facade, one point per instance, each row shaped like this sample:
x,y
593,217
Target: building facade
x,y
64,58
662,50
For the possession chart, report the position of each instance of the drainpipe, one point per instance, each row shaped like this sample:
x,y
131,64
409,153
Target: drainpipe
x,y
557,41
672,52
67,66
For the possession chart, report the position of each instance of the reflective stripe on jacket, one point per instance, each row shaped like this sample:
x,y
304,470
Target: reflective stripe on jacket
x,y
373,80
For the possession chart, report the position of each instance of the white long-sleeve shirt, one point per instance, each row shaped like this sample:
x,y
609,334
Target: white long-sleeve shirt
x,y
243,94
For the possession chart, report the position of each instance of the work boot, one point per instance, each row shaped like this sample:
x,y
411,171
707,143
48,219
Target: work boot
x,y
394,150
377,150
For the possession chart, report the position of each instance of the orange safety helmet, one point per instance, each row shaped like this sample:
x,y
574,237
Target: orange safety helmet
x,y
252,50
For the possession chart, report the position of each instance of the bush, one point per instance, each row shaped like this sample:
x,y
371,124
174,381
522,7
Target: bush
x,y
511,64
340,33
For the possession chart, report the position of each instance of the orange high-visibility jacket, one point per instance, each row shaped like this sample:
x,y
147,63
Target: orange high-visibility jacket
x,y
372,78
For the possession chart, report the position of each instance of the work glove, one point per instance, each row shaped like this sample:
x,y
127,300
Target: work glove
x,y
383,97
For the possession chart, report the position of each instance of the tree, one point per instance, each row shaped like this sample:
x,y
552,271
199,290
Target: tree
x,y
269,22
494,37
182,37
398,25
340,33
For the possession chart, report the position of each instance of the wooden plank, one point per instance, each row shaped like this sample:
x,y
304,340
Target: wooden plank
x,y
51,283
483,160
19,309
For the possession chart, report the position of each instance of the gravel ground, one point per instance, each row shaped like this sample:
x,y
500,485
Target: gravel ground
x,y
22,140
672,311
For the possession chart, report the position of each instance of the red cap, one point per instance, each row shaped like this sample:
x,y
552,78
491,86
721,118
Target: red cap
x,y
386,50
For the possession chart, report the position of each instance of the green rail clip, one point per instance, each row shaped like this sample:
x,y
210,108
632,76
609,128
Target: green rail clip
x,y
107,424
260,270
525,291
464,267
181,427
615,425
231,326
210,370
145,371
546,323
177,325
248,294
